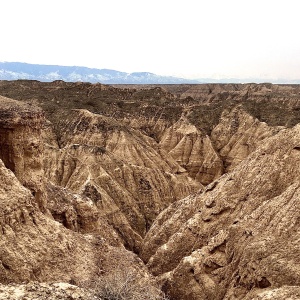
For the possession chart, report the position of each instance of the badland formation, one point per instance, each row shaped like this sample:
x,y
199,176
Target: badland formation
x,y
194,189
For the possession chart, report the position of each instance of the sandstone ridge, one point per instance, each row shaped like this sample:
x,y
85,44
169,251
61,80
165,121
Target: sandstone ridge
x,y
240,233
63,240
127,176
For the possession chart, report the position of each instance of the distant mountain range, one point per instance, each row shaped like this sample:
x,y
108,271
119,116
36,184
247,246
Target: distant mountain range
x,y
17,70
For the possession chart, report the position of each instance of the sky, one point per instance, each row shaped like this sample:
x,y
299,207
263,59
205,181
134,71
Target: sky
x,y
190,38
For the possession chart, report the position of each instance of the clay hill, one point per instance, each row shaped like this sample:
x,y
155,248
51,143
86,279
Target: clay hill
x,y
179,191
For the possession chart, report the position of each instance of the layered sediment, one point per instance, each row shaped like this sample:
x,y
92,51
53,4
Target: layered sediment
x,y
48,233
21,148
239,234
127,176
195,187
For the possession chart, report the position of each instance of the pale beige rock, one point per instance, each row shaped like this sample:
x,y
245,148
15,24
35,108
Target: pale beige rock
x,y
192,150
21,148
129,178
33,246
79,213
44,291
241,233
238,134
285,292
73,201
153,127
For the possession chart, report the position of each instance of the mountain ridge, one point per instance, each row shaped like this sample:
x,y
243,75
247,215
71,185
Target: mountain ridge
x,y
46,73
41,72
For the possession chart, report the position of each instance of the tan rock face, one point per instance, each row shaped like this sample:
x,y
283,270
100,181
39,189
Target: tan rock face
x,y
127,176
192,150
21,148
153,127
238,134
285,292
43,291
241,233
30,243
36,247
66,240
79,213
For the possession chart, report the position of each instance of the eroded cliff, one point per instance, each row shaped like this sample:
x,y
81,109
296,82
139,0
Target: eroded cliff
x,y
193,150
21,148
241,233
202,182
125,173
63,240
238,134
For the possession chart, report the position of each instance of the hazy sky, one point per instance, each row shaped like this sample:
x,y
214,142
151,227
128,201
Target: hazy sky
x,y
190,38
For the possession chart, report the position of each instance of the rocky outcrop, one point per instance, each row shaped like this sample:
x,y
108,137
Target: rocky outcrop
x,y
35,247
79,213
20,145
153,127
192,150
63,240
43,291
126,175
237,135
207,93
239,234
285,292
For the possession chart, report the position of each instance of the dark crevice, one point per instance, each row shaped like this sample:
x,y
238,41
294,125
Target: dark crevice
x,y
264,283
6,267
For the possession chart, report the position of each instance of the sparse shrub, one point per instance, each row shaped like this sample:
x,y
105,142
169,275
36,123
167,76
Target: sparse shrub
x,y
126,285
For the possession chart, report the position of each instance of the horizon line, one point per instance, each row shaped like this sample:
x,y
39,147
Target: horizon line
x,y
208,79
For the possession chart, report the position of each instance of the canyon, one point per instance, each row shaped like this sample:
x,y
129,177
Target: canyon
x,y
194,189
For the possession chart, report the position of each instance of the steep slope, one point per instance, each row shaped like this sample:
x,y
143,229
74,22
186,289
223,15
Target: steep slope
x,y
241,233
238,134
20,122
35,247
192,149
129,178
47,232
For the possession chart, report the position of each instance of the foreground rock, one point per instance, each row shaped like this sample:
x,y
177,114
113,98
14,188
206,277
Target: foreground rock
x,y
35,247
47,232
241,233
21,148
44,291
